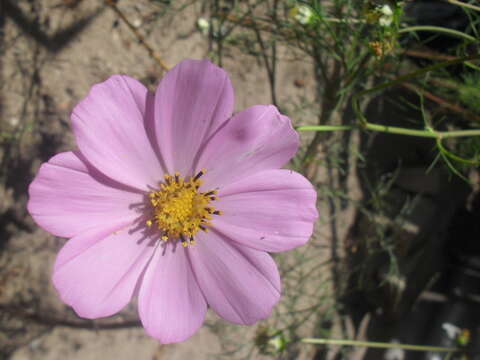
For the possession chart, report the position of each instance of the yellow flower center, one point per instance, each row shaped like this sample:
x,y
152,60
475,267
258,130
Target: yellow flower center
x,y
180,210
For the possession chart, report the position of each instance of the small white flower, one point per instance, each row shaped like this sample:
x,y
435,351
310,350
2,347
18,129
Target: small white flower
x,y
386,10
137,23
387,16
394,353
303,14
451,330
203,25
14,121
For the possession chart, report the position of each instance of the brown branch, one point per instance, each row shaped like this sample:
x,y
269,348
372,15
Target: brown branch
x,y
42,319
442,102
153,54
429,55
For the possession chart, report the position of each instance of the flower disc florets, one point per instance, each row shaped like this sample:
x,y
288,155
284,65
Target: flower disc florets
x,y
180,209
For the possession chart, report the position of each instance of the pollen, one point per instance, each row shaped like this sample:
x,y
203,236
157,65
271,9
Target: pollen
x,y
180,209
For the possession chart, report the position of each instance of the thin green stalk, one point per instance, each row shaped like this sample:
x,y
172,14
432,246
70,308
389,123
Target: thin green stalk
x,y
355,102
446,31
324,127
451,155
345,20
378,345
465,5
428,133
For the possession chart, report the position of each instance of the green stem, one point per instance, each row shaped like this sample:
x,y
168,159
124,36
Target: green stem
x,y
451,155
346,20
465,5
325,127
417,73
378,345
393,130
439,29
363,121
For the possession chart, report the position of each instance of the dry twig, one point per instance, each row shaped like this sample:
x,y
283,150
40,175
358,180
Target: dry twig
x,y
153,54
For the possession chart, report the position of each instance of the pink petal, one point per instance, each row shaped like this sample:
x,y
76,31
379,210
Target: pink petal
x,y
191,102
273,210
97,272
171,304
256,139
110,131
241,284
68,197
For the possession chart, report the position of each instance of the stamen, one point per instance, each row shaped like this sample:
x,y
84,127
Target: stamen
x,y
199,174
180,210
184,241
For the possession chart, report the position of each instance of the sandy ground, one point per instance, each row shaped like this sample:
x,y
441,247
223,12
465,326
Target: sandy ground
x,y
40,83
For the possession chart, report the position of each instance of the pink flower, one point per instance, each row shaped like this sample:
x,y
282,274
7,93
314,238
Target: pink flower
x,y
157,171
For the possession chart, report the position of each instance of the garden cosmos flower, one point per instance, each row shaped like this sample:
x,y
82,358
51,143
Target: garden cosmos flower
x,y
171,199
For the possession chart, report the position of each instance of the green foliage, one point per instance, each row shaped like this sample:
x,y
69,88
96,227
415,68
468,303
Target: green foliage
x,y
469,91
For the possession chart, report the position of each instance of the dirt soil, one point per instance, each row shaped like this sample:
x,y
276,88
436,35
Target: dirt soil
x,y
53,51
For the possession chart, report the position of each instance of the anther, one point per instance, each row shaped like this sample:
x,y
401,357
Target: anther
x,y
199,174
217,212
